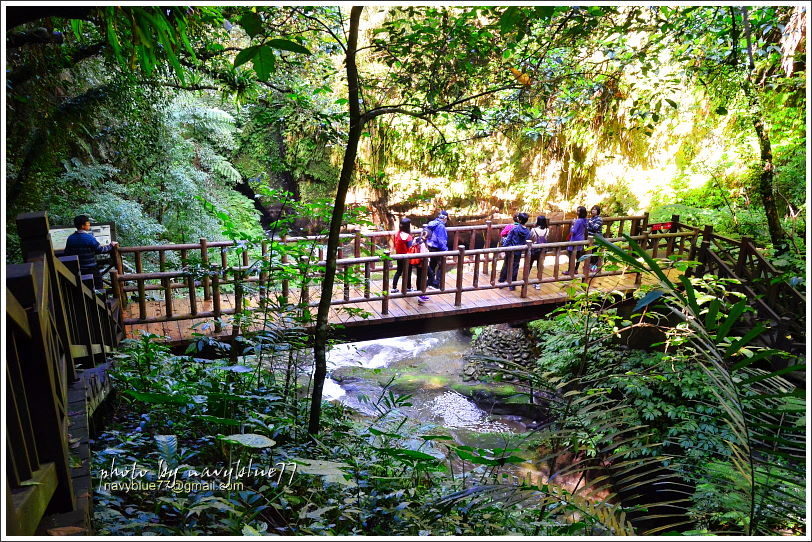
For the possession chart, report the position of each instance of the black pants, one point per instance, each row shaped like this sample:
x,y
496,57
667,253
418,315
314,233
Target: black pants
x,y
435,268
399,272
97,278
517,257
577,255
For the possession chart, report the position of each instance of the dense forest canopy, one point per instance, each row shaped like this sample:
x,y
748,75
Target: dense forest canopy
x,y
129,112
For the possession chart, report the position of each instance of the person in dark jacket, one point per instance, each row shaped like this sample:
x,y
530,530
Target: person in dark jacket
x,y
82,243
518,235
594,226
577,233
436,239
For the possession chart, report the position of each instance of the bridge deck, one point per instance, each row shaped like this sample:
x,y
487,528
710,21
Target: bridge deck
x,y
406,315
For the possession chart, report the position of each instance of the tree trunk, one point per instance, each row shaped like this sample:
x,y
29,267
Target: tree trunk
x,y
347,168
764,185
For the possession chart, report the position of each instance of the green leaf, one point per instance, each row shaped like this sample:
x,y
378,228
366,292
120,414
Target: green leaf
x,y
264,63
76,26
245,55
731,319
252,23
672,103
648,299
330,470
721,110
287,45
509,19
735,346
405,453
710,317
250,440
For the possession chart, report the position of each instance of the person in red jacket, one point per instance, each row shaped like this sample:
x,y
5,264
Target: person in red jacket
x,y
403,241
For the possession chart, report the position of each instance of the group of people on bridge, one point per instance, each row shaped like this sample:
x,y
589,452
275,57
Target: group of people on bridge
x,y
434,238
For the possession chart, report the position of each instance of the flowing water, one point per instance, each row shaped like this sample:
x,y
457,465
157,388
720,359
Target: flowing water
x,y
430,363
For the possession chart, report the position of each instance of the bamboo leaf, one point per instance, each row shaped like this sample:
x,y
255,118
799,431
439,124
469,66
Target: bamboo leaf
x,y
735,312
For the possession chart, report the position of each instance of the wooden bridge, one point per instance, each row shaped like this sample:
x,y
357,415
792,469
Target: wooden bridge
x,y
287,272
221,279
60,332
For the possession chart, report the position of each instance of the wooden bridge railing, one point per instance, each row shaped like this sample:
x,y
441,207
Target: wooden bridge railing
x,y
773,298
56,328
355,274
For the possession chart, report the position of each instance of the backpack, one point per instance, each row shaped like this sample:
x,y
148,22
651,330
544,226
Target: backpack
x,y
415,249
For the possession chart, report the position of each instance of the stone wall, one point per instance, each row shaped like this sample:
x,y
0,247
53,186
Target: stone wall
x,y
499,347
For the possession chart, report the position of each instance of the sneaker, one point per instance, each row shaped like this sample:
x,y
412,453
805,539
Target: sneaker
x,y
433,288
537,286
422,299
512,288
594,268
410,289
566,272
394,291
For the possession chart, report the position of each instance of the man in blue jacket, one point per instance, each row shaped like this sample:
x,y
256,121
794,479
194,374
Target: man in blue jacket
x,y
518,236
82,243
436,238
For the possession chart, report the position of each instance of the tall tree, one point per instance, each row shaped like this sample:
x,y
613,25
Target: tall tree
x,y
711,43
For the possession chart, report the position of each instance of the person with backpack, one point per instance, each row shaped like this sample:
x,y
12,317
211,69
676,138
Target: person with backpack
x,y
538,235
577,233
506,230
436,239
405,243
518,236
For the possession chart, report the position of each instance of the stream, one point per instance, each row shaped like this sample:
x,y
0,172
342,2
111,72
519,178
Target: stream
x,y
426,367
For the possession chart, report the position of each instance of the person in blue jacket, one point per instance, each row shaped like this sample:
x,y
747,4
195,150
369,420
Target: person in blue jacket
x,y
577,233
436,238
517,236
82,243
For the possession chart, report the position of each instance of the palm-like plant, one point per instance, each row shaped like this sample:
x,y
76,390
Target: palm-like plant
x,y
762,409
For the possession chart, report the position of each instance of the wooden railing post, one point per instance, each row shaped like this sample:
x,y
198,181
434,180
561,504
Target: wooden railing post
x,y
674,228
118,261
204,263
528,250
215,286
357,243
741,261
35,239
486,260
118,290
458,287
142,294
385,299
167,284
704,247
367,279
42,378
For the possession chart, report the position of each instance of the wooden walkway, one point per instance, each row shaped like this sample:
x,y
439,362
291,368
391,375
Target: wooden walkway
x,y
406,316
